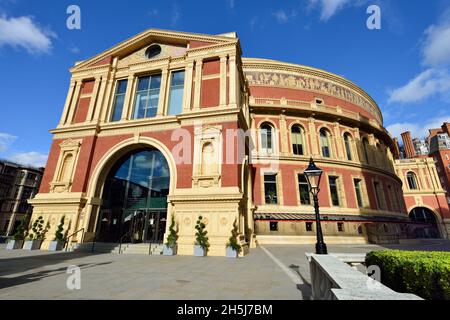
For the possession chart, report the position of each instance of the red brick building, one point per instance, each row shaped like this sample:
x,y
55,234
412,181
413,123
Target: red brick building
x,y
171,124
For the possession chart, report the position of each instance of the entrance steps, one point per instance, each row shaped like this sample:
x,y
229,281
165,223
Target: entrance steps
x,y
99,247
142,248
125,248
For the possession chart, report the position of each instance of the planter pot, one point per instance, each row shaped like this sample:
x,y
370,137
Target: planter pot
x,y
32,245
231,253
199,251
56,245
168,251
14,245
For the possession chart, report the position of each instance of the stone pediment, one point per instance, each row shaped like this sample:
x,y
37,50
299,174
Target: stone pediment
x,y
131,48
167,51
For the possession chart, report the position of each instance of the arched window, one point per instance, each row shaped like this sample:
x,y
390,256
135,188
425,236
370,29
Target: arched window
x,y
297,140
348,147
267,144
412,181
325,143
365,145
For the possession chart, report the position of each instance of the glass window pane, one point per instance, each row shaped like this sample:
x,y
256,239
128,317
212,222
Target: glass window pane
x,y
176,100
140,105
143,83
122,86
118,106
155,82
177,78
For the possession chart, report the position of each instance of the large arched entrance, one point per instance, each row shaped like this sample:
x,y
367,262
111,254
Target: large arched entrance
x,y
134,207
427,226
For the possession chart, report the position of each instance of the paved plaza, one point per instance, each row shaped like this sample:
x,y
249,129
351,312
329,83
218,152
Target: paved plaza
x,y
268,272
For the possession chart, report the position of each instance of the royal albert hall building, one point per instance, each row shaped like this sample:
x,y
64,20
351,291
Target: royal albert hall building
x,y
173,124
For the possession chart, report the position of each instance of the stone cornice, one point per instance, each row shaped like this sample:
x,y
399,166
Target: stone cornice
x,y
271,65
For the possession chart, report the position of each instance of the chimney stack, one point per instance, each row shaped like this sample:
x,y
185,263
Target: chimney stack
x,y
408,145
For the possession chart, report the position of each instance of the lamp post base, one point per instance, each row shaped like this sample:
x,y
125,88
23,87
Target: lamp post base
x,y
321,248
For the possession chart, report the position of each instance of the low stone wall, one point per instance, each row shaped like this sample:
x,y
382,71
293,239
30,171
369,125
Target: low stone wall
x,y
332,278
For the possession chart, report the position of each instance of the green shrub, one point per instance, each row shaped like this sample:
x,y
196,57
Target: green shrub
x,y
21,233
200,236
59,236
233,242
38,229
172,237
426,274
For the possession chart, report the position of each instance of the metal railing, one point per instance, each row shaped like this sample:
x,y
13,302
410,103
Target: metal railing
x,y
66,244
129,233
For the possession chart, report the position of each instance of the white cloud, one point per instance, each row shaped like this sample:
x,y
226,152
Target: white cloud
x,y
283,17
6,140
35,159
230,3
418,130
328,8
176,14
22,32
427,84
436,47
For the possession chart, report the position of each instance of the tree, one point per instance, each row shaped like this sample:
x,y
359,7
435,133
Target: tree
x,y
38,229
200,236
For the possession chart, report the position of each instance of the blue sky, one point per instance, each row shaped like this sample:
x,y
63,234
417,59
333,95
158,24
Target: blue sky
x,y
405,66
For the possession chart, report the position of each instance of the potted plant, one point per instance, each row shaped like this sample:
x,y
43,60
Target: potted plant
x,y
58,242
34,241
170,247
233,247
19,236
201,240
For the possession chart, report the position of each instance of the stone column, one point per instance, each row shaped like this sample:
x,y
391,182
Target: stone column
x,y
187,96
283,135
313,137
223,81
340,154
126,110
106,102
93,101
233,81
198,83
68,102
74,103
101,96
162,93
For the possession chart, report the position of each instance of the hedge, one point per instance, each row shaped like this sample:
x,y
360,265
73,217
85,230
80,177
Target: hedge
x,y
426,274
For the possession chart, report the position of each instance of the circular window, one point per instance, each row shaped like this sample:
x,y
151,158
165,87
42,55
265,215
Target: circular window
x,y
153,51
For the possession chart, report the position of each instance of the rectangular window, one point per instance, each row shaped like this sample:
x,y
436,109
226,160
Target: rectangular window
x,y
176,93
379,196
119,100
303,188
309,226
340,227
270,188
147,96
273,226
333,181
359,199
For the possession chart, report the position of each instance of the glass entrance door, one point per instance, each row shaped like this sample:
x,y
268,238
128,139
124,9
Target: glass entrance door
x,y
143,225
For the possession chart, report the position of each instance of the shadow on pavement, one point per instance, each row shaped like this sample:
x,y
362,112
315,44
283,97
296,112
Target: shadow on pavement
x,y
36,276
305,287
25,263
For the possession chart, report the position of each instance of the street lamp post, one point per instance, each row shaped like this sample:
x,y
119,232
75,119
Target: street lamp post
x,y
313,175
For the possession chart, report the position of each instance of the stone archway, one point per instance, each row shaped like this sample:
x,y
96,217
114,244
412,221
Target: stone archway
x,y
427,222
104,167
